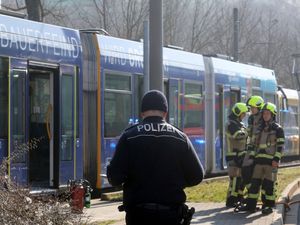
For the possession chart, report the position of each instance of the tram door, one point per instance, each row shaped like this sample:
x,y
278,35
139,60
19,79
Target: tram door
x,y
52,126
41,119
174,93
17,122
228,96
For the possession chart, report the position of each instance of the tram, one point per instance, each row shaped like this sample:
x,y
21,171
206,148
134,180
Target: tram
x,y
200,90
40,102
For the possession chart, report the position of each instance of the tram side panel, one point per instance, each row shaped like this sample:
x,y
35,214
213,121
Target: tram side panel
x,y
235,82
46,124
121,92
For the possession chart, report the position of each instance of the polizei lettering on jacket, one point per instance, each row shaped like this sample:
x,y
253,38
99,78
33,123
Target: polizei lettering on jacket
x,y
157,127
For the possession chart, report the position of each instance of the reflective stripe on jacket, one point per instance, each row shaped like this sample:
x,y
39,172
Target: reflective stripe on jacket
x,y
270,143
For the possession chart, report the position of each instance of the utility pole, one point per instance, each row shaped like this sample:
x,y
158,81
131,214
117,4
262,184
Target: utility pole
x,y
236,27
34,10
146,56
272,23
156,45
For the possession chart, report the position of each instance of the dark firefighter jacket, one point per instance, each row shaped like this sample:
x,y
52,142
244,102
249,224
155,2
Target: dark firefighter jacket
x,y
269,143
236,135
154,161
254,122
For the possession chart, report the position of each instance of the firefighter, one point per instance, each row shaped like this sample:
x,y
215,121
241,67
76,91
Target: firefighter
x,y
269,141
236,136
254,121
154,161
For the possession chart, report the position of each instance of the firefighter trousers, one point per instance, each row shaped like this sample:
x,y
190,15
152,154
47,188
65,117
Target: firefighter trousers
x,y
234,193
263,178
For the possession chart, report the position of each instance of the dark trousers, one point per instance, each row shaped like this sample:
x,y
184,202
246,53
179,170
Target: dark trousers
x,y
144,216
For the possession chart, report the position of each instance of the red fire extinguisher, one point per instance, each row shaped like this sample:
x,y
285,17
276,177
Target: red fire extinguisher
x,y
77,195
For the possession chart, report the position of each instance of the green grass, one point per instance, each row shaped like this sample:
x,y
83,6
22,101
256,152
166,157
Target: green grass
x,y
215,191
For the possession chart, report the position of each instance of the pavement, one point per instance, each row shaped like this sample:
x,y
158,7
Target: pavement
x,y
213,213
292,216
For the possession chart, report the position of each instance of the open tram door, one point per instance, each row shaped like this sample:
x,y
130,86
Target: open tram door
x,y
31,122
228,96
41,143
51,124
41,125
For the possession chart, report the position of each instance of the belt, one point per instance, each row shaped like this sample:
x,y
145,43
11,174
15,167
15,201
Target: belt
x,y
155,206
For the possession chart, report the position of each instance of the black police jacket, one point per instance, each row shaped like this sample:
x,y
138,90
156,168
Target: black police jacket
x,y
154,161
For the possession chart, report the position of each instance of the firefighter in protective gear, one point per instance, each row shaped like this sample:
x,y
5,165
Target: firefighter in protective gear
x,y
269,141
254,121
236,136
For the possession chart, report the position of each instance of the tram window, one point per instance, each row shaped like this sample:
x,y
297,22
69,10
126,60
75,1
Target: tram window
x,y
3,97
193,109
117,82
66,118
257,92
117,104
269,98
256,83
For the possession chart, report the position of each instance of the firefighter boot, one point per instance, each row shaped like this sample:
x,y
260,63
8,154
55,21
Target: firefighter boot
x,y
267,210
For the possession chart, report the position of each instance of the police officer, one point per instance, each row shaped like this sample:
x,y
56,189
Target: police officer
x,y
254,121
269,145
154,161
236,136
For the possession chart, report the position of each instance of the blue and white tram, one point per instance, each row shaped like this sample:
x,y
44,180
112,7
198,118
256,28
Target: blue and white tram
x,y
200,89
40,102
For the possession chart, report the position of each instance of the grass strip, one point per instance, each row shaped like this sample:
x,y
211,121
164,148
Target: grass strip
x,y
215,190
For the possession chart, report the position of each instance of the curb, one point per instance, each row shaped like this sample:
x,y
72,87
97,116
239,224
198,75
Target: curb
x,y
284,198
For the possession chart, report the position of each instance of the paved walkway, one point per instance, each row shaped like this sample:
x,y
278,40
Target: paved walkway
x,y
293,215
206,213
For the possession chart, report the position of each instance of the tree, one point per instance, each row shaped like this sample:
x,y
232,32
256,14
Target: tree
x,y
119,18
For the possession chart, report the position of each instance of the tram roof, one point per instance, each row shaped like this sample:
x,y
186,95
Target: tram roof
x,y
243,70
127,49
26,38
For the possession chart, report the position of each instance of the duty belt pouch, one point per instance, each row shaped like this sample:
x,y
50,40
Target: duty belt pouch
x,y
187,215
234,171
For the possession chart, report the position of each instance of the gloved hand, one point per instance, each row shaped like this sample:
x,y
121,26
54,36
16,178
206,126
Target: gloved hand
x,y
275,164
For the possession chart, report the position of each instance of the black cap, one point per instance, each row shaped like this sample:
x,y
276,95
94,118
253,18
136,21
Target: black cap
x,y
154,100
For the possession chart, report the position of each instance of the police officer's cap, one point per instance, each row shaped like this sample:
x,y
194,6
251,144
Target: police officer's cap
x,y
154,100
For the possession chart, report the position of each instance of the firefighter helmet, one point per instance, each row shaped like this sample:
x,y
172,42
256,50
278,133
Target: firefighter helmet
x,y
255,101
271,107
239,108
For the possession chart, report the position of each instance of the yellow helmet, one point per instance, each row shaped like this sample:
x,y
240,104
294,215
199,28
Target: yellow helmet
x,y
271,107
239,108
255,101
